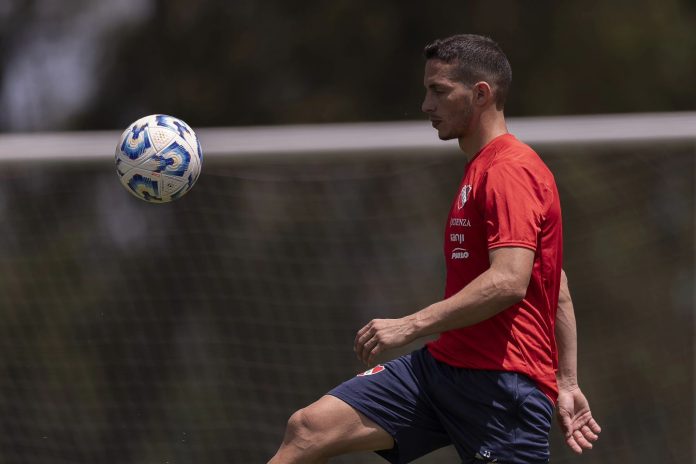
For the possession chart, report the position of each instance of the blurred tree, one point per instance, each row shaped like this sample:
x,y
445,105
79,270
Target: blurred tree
x,y
221,63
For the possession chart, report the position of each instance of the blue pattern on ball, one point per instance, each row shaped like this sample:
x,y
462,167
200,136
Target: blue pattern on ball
x,y
173,123
174,155
200,150
134,152
148,187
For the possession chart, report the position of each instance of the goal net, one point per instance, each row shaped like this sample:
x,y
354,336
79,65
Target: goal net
x,y
189,332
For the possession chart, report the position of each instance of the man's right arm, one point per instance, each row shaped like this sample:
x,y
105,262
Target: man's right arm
x,y
573,410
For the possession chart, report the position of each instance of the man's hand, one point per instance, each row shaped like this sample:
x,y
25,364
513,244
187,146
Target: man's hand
x,y
382,334
575,418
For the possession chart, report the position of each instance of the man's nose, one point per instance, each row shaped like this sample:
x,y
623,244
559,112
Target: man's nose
x,y
427,105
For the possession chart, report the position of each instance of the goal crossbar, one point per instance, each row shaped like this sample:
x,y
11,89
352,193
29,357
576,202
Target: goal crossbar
x,y
404,138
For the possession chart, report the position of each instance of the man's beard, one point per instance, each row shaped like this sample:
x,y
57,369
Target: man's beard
x,y
462,128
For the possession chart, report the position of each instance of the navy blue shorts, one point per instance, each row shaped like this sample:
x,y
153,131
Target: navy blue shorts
x,y
424,404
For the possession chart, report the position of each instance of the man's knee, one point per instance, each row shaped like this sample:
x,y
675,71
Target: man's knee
x,y
304,433
330,427
300,423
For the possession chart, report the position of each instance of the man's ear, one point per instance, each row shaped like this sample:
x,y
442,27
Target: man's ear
x,y
483,93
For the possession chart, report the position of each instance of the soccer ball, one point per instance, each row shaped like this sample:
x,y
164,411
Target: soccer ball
x,y
158,158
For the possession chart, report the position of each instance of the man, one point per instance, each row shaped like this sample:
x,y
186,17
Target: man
x,y
488,384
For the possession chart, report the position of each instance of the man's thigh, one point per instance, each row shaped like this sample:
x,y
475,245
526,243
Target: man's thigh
x,y
342,429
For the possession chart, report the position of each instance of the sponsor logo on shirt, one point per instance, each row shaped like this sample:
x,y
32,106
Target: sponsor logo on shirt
x,y
375,370
464,195
457,238
459,253
460,222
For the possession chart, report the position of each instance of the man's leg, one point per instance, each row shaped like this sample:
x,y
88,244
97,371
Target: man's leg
x,y
326,428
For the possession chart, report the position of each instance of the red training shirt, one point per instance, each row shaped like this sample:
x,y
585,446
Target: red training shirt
x,y
508,198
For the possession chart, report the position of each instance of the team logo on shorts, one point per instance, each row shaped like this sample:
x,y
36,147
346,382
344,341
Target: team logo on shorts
x,y
375,370
464,195
485,455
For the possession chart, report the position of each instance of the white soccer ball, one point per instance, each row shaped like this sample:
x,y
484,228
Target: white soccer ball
x,y
158,158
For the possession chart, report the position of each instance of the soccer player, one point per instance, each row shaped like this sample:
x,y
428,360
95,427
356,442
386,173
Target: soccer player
x,y
506,353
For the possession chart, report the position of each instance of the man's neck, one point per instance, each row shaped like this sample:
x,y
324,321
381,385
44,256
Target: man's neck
x,y
488,128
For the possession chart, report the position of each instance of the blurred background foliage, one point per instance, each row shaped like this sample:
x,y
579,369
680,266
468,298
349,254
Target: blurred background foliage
x,y
80,64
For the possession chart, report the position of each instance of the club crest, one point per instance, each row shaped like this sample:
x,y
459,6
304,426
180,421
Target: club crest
x,y
464,195
375,370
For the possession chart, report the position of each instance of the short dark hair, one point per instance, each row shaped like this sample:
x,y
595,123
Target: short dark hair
x,y
479,58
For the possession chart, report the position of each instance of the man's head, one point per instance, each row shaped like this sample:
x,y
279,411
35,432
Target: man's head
x,y
464,75
477,58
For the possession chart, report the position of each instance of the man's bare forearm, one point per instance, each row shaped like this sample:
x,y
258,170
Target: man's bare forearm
x,y
502,285
566,338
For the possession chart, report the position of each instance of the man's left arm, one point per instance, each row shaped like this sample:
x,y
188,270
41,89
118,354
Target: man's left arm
x,y
503,284
572,410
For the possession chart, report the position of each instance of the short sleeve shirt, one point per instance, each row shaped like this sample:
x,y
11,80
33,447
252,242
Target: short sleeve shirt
x,y
507,198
